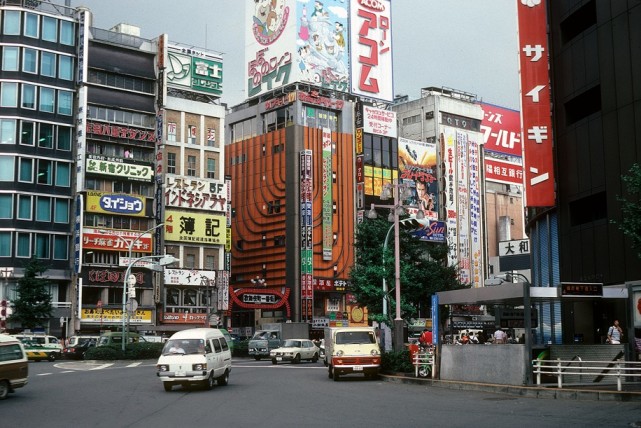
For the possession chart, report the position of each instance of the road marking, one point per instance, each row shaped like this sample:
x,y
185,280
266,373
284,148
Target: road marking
x,y
45,374
134,364
102,366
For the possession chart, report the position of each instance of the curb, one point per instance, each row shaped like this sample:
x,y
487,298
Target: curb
x,y
522,391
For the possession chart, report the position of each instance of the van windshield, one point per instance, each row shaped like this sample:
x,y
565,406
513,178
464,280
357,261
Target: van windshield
x,y
355,337
184,346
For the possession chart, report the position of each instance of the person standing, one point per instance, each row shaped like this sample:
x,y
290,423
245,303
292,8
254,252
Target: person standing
x,y
615,333
499,336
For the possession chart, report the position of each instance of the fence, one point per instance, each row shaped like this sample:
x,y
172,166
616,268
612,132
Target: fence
x,y
595,370
423,363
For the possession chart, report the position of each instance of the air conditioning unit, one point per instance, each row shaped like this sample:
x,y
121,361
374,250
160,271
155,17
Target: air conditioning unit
x,y
429,115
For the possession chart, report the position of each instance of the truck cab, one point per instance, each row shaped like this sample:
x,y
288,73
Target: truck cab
x,y
352,350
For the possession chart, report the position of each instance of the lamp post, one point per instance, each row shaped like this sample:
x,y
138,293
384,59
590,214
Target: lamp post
x,y
164,260
394,216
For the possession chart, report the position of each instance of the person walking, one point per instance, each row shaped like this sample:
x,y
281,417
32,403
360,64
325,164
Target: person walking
x,y
615,333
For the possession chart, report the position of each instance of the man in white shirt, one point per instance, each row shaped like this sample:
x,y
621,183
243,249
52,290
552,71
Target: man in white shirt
x,y
499,336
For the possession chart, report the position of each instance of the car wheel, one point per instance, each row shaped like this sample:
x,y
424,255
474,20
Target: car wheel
x,y
336,375
329,372
167,385
209,382
4,389
274,361
296,359
51,356
424,371
315,358
224,379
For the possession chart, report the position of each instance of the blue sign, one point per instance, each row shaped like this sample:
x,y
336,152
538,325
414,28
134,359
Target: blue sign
x,y
435,333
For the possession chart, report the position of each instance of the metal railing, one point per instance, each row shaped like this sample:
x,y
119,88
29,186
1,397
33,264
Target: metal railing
x,y
423,362
620,369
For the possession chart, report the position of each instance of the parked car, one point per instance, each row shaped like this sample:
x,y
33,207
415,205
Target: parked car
x,y
295,350
77,352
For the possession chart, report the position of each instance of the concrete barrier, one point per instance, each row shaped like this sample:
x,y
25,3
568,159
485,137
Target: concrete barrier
x,y
498,364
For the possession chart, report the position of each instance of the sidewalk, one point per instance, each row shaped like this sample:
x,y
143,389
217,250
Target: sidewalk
x,y
603,392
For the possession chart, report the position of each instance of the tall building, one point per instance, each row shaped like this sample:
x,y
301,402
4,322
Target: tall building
x,y
37,90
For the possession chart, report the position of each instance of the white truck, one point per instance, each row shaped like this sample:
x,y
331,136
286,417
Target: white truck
x,y
352,350
271,336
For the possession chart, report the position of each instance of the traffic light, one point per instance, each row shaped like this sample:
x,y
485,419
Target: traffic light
x,y
3,314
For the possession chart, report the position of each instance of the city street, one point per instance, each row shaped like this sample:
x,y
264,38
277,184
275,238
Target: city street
x,y
128,394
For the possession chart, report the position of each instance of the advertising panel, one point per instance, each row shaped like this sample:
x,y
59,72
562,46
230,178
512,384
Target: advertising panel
x,y
307,228
194,69
114,316
463,194
115,240
449,179
105,165
417,169
476,219
503,172
109,203
535,104
189,277
195,228
322,44
501,128
371,49
379,122
270,48
195,193
328,212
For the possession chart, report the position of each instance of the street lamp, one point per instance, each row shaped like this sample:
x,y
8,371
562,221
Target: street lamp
x,y
395,210
163,260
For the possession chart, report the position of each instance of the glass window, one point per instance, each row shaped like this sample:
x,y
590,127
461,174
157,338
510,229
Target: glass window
x,y
61,214
24,245
65,102
31,25
6,206
11,22
67,33
171,163
44,171
64,138
9,95
42,246
7,131
211,168
10,58
5,244
24,207
46,99
26,170
49,29
30,60
29,96
63,174
191,166
6,168
43,209
60,247
45,137
28,133
48,64
65,70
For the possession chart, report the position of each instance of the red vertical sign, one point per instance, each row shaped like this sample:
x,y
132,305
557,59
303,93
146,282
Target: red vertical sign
x,y
535,105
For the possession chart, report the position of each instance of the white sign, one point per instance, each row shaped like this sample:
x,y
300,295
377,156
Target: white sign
x,y
189,277
514,248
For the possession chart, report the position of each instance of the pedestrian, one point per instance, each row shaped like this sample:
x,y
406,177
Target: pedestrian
x,y
615,333
499,336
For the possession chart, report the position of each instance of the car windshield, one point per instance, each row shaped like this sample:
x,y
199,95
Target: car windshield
x,y
291,344
355,337
261,335
184,346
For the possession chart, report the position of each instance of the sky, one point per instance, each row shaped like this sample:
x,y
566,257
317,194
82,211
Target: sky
x,y
467,45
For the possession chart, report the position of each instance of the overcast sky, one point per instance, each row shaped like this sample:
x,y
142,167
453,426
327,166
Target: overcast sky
x,y
468,45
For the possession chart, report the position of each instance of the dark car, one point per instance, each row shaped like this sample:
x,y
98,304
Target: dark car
x,y
77,352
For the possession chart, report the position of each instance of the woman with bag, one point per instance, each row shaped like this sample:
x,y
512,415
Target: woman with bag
x,y
615,333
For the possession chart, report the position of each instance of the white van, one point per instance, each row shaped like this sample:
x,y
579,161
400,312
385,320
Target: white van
x,y
195,356
14,367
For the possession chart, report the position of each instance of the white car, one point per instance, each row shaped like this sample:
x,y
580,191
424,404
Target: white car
x,y
295,350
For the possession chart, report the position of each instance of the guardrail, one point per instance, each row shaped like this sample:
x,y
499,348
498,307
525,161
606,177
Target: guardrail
x,y
620,369
423,363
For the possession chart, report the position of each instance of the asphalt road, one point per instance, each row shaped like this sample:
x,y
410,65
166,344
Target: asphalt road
x,y
128,394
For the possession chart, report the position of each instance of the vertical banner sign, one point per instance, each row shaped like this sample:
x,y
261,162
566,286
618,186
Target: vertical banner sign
x,y
448,158
328,239
371,49
435,320
77,235
535,104
463,203
475,201
307,243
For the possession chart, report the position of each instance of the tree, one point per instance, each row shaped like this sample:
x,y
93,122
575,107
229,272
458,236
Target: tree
x,y
33,304
630,224
422,264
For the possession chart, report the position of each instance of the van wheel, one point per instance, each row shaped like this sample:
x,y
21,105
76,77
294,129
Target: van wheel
x,y
315,358
224,379
4,389
167,385
336,375
52,356
274,361
296,359
257,358
209,382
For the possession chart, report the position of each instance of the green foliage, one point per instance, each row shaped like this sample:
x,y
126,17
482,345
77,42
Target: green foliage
x,y
630,223
33,307
104,353
133,351
423,270
396,362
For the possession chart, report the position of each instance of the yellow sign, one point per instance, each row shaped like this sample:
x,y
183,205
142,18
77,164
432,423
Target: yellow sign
x,y
228,240
110,316
111,203
196,228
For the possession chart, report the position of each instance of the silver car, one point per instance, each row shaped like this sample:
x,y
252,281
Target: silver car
x,y
295,350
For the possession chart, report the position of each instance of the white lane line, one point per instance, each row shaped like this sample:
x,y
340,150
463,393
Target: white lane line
x,y
134,364
102,366
45,374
